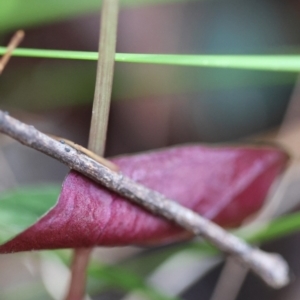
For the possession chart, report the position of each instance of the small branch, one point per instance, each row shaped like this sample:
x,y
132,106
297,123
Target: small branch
x,y
270,267
14,42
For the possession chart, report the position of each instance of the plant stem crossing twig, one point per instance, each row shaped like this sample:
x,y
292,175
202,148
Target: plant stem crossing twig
x,y
270,267
100,113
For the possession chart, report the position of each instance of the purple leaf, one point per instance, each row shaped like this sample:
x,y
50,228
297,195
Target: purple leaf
x,y
225,184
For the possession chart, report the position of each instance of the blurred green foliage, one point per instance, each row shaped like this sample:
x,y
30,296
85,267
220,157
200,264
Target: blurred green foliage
x,y
16,14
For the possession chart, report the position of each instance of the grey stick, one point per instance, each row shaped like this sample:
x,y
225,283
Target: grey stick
x,y
272,268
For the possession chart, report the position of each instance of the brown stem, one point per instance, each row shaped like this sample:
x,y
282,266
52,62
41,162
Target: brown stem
x,y
270,267
78,273
14,42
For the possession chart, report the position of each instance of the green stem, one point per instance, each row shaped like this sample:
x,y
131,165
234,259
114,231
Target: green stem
x,y
285,63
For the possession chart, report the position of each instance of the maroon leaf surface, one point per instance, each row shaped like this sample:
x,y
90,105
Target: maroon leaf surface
x,y
225,184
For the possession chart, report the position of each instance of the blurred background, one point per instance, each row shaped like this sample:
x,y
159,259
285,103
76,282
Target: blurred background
x,y
152,107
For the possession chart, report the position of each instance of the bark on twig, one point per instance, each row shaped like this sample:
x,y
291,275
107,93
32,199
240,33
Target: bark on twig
x,y
270,267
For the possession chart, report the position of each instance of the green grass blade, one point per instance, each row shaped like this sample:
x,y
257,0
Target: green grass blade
x,y
287,63
56,54
275,229
284,63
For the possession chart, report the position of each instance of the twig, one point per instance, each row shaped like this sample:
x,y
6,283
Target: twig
x,y
270,267
14,42
100,113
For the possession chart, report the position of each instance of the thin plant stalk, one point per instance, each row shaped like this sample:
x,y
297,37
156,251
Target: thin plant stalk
x,y
98,129
104,78
12,45
80,262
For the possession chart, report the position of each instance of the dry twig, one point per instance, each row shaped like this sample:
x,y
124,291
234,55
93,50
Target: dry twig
x,y
14,42
270,267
